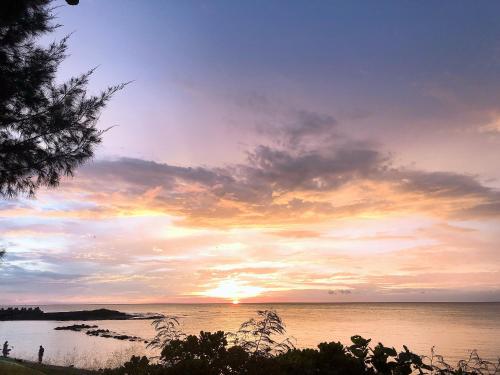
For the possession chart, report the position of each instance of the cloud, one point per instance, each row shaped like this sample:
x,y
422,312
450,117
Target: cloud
x,y
290,220
24,278
492,127
296,233
488,209
310,126
278,184
297,129
307,173
313,171
339,291
443,184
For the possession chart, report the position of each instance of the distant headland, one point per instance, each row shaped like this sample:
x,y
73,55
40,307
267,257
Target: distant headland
x,y
36,313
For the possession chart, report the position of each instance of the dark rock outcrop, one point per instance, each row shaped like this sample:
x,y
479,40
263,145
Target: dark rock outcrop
x,y
96,331
37,314
75,327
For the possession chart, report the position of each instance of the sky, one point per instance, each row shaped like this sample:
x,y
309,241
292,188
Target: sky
x,y
269,151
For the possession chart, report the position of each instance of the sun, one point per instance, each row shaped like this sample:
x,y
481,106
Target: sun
x,y
233,290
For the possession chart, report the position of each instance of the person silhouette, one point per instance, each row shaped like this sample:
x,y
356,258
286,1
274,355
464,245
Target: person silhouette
x,y
40,354
6,350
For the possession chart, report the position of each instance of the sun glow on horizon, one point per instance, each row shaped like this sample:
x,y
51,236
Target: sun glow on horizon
x,y
233,290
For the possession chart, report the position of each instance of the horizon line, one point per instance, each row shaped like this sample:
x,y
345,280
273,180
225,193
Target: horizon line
x,y
250,303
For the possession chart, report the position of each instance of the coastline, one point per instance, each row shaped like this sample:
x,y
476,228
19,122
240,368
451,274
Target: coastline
x,y
420,326
33,314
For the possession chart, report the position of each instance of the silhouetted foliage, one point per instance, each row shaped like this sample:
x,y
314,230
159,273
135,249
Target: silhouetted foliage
x,y
258,335
46,129
138,366
213,354
472,365
167,330
16,313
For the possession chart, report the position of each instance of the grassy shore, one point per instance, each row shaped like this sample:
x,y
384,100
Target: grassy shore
x,y
12,366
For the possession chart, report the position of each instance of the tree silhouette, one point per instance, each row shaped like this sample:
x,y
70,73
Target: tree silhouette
x,y
258,335
46,130
167,330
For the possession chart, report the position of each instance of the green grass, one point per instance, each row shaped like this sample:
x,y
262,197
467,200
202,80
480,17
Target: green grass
x,y
12,367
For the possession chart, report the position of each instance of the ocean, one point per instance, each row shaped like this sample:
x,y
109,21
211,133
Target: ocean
x,y
453,329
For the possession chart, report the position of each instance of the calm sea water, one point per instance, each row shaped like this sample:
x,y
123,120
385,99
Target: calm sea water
x,y
453,328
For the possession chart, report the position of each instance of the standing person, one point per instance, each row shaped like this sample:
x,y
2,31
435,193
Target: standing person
x,y
40,354
5,350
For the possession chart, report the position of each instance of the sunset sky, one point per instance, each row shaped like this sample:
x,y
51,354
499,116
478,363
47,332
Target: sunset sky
x,y
319,151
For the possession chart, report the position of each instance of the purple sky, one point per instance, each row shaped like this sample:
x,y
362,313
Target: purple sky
x,y
271,151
